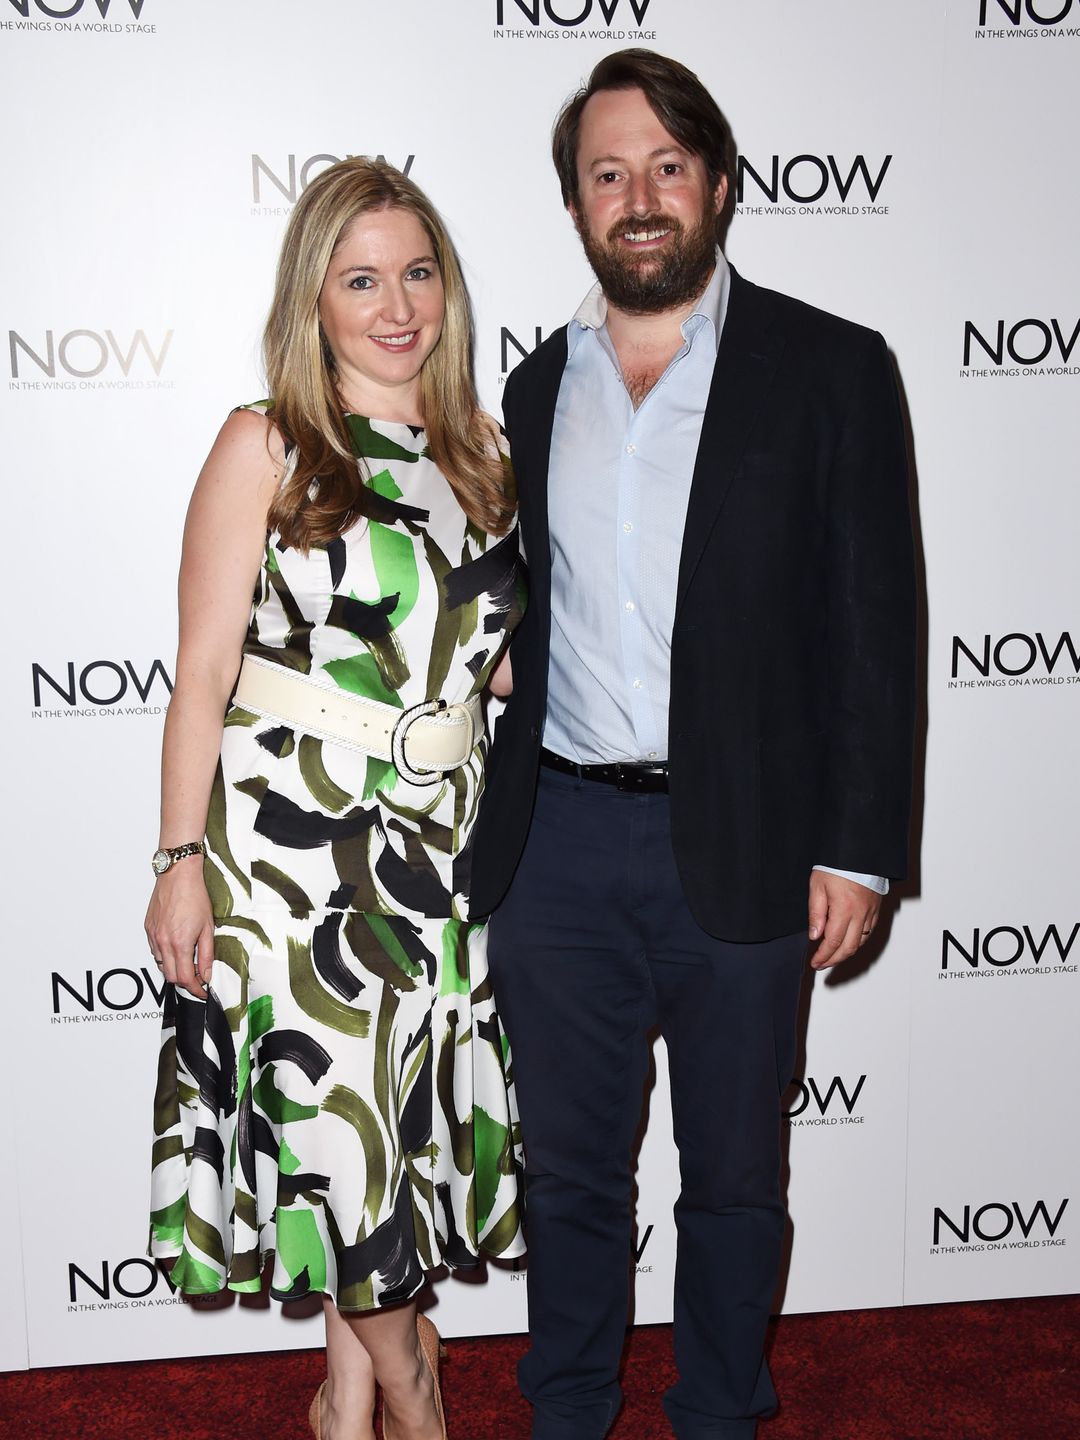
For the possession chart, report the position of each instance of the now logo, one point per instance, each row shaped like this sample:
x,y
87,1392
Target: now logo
x,y
995,1220
569,12
65,12
102,682
85,353
1006,944
117,989
1027,342
806,178
509,341
132,1278
807,1090
300,173
1048,12
1016,653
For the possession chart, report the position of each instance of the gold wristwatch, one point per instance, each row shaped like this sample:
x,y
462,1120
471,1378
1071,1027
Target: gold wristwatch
x,y
165,859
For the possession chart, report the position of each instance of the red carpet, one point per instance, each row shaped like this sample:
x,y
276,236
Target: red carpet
x,y
1006,1370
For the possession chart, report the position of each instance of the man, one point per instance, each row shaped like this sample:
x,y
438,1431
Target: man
x,y
707,752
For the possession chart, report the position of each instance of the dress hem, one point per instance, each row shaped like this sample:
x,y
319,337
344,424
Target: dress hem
x,y
160,1253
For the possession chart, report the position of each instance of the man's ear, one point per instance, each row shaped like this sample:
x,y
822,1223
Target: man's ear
x,y
720,194
572,211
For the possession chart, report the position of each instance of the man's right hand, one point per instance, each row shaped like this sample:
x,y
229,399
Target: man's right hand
x,y
842,915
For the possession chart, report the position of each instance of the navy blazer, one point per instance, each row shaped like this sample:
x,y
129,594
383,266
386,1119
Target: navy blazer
x,y
793,646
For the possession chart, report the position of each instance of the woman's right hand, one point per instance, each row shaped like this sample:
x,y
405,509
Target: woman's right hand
x,y
180,927
224,542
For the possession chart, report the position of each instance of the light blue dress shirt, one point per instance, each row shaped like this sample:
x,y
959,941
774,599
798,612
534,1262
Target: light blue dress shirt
x,y
618,487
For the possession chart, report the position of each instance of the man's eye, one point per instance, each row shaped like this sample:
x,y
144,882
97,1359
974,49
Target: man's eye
x,y
608,177
670,168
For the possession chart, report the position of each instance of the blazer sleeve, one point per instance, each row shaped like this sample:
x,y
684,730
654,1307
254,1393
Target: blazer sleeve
x,y
865,796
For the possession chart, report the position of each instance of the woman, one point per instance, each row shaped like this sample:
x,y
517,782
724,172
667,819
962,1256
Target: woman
x,y
331,1084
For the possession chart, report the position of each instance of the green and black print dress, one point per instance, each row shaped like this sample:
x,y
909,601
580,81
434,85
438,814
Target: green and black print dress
x,y
341,1099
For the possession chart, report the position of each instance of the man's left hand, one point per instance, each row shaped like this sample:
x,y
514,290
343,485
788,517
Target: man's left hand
x,y
843,915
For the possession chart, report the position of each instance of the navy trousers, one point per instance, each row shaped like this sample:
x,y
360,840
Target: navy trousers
x,y
592,948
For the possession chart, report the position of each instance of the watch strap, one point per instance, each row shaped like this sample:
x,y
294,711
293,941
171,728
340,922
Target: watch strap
x,y
176,852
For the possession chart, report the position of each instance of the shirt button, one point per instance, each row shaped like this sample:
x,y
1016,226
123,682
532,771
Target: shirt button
x,y
627,527
631,449
652,754
629,607
637,684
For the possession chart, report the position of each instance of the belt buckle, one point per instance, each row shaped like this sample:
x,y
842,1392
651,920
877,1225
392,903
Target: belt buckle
x,y
397,743
627,777
634,778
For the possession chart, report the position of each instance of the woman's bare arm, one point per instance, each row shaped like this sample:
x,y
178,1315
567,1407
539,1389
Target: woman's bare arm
x,y
224,538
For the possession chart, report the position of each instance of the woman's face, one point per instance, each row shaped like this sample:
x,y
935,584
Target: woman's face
x,y
381,309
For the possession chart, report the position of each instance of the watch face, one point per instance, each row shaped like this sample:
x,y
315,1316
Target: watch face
x,y
161,861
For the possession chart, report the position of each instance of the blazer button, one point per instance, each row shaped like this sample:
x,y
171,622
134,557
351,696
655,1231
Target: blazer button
x,y
534,732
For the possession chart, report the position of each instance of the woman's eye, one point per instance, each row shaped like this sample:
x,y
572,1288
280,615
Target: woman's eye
x,y
421,272
360,282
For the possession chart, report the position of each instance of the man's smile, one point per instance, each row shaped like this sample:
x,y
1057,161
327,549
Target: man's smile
x,y
646,237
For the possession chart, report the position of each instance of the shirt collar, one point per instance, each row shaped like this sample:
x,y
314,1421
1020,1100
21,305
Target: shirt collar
x,y
591,314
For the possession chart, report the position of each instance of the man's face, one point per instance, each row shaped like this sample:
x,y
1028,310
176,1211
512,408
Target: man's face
x,y
646,212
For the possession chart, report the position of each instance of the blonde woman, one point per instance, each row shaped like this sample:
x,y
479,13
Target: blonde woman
x,y
332,1103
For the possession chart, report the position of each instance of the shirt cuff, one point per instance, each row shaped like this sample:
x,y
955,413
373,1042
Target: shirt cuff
x,y
877,883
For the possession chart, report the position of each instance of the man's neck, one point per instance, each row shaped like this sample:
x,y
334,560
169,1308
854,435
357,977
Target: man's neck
x,y
645,346
657,335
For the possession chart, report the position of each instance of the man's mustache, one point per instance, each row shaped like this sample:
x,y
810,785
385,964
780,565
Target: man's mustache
x,y
635,224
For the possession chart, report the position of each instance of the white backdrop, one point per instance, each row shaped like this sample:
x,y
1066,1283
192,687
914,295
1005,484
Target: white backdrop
x,y
909,166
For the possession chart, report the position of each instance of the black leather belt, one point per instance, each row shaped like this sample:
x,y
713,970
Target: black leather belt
x,y
642,778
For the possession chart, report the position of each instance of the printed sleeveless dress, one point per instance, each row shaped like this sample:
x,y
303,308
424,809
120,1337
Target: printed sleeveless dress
x,y
342,1098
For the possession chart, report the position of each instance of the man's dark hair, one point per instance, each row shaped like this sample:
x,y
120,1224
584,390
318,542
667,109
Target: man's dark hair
x,y
677,98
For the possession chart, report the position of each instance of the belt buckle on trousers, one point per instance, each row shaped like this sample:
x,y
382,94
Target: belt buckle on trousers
x,y
629,776
641,779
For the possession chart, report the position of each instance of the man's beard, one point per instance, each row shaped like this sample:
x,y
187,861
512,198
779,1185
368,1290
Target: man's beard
x,y
652,281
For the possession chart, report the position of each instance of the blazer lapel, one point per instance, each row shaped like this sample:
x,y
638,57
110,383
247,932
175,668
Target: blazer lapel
x,y
746,362
532,419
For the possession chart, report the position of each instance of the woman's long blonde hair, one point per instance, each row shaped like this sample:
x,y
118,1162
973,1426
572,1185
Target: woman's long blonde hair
x,y
300,374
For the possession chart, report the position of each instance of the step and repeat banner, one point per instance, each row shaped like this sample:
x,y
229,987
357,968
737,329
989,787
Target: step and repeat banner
x,y
910,166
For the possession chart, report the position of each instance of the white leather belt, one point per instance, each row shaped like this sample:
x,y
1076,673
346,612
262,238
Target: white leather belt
x,y
422,742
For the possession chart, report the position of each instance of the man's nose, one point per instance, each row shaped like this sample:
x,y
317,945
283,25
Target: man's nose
x,y
642,194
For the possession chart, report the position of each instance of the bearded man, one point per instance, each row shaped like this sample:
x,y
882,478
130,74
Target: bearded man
x,y
706,758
